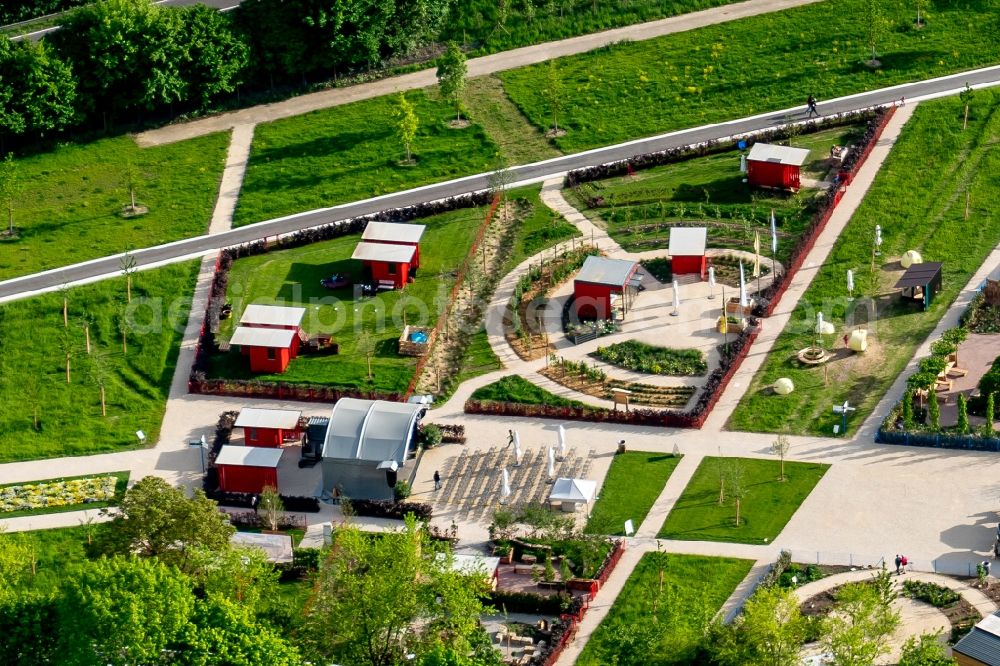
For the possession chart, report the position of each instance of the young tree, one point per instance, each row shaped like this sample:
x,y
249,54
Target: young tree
x,y
966,96
921,4
67,347
988,425
156,520
130,181
98,372
124,325
10,189
963,415
875,26
366,346
780,448
270,509
501,178
64,292
857,633
735,479
771,628
926,650
554,93
933,413
121,611
406,125
451,73
908,410
128,267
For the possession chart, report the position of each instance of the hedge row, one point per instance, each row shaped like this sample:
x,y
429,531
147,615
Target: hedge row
x,y
390,509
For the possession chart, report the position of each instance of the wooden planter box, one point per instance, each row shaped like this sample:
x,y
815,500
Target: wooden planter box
x,y
409,348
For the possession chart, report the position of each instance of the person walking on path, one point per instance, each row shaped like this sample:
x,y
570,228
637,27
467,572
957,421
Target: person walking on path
x,y
902,564
510,438
899,561
437,480
811,106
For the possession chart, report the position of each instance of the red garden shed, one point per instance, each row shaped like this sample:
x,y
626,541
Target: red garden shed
x,y
687,250
386,264
269,349
396,234
272,316
247,469
605,288
268,427
769,165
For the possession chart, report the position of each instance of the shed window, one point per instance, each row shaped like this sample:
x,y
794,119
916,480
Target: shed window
x,y
391,269
252,434
271,354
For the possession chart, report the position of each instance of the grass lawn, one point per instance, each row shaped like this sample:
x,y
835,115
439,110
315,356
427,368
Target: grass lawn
x,y
121,484
633,483
750,66
56,551
517,389
488,105
665,618
292,277
68,210
351,152
33,365
639,211
764,511
474,22
920,209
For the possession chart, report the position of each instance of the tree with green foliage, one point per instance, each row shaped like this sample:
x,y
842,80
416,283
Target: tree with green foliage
x,y
366,345
857,633
554,93
966,96
155,519
122,611
242,574
988,425
451,73
631,643
406,125
926,650
10,189
769,631
224,632
908,410
735,473
44,97
963,415
217,56
780,447
933,413
378,599
876,23
27,622
17,555
270,508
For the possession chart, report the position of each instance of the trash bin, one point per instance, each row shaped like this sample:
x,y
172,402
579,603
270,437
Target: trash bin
x,y
621,446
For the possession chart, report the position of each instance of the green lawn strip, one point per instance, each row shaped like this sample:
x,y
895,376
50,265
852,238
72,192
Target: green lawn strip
x,y
475,22
517,389
121,484
753,65
292,277
539,230
918,209
672,612
69,208
634,481
33,367
351,152
521,142
764,511
56,551
640,357
640,210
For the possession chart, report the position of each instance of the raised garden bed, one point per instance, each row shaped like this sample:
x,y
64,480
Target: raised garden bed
x,y
518,390
600,386
981,317
640,357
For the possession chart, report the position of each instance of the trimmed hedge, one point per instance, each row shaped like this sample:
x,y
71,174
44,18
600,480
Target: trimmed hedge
x,y
529,602
394,510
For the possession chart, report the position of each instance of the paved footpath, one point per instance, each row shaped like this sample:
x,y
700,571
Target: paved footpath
x,y
498,62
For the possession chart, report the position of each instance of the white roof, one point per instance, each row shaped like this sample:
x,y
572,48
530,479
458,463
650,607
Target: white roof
x,y
601,270
471,563
248,456
687,241
278,547
373,430
272,315
768,152
396,254
573,490
252,417
263,337
392,232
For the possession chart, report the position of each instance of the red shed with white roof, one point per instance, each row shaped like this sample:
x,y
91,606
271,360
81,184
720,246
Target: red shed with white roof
x,y
387,264
687,250
394,233
770,165
268,427
270,349
247,469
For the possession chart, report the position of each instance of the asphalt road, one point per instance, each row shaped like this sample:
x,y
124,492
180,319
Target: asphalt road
x,y
535,172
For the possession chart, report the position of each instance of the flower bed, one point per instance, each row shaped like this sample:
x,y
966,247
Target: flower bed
x,y
981,317
640,357
57,495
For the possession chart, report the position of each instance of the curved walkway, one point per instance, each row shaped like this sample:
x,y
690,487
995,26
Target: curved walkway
x,y
497,62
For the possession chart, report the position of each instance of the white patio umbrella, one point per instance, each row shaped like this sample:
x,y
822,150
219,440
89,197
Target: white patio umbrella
x,y
756,255
819,323
517,450
878,239
711,282
562,440
552,463
677,299
505,490
850,282
743,288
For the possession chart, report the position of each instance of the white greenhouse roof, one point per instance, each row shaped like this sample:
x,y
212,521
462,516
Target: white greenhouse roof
x,y
396,254
372,430
573,490
769,152
272,315
471,563
252,417
393,232
687,241
263,337
248,456
601,270
277,547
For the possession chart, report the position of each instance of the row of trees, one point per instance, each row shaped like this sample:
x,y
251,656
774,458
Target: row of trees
x,y
166,586
124,58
